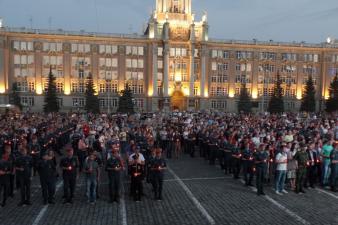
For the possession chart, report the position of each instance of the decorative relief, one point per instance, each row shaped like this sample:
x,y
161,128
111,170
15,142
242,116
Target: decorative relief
x,y
66,47
179,33
121,49
94,48
38,46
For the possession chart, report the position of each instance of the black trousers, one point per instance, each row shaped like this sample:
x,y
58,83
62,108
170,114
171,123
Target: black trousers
x,y
81,156
136,187
248,172
260,172
158,185
236,167
227,162
48,188
69,183
114,185
310,176
25,188
4,187
334,177
11,185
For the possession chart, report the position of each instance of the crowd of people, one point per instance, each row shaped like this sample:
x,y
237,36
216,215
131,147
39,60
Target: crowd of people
x,y
291,151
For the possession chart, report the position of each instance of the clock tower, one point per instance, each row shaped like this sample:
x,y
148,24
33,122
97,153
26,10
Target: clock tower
x,y
178,45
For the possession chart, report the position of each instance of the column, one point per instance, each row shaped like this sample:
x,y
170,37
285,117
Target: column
x,y
203,71
2,68
166,70
155,70
192,70
67,68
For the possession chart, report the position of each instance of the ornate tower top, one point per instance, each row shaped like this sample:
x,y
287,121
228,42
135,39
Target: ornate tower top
x,y
169,10
173,6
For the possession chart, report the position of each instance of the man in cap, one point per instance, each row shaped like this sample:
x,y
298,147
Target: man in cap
x,y
114,166
302,160
47,171
157,167
136,163
69,165
261,162
23,165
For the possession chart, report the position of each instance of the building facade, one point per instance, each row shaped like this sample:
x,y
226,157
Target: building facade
x,y
173,65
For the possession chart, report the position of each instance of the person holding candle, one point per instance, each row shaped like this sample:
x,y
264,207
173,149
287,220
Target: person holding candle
x,y
47,171
248,163
114,166
136,162
334,168
158,167
23,165
92,171
261,162
281,161
69,165
302,162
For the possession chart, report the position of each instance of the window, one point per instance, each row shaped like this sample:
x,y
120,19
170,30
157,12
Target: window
x,y
81,48
135,50
243,55
267,56
59,87
311,57
59,102
160,64
54,47
23,59
160,51
78,102
178,52
289,56
221,105
27,101
334,58
108,49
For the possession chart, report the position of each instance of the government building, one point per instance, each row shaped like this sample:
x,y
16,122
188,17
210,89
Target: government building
x,y
174,64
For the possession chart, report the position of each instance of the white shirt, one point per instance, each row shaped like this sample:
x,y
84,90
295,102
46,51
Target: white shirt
x,y
281,157
140,157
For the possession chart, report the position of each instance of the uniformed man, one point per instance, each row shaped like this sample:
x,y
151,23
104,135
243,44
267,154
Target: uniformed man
x,y
5,171
136,163
261,163
23,165
236,161
334,169
302,160
158,167
248,164
114,166
69,165
47,171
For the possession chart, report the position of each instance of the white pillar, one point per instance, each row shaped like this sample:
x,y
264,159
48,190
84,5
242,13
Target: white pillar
x,y
203,71
166,70
192,70
155,93
165,6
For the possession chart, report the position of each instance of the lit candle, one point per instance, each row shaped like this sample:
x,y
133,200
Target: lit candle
x,y
69,168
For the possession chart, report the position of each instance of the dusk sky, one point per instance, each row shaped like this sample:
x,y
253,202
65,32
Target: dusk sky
x,y
279,20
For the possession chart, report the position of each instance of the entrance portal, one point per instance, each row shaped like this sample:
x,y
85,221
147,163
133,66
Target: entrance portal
x,y
178,101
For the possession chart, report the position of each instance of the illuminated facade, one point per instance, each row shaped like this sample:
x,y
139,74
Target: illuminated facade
x,y
173,65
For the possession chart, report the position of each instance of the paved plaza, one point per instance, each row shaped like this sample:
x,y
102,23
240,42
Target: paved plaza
x,y
194,193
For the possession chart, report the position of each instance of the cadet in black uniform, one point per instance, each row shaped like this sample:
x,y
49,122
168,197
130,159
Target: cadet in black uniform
x,y
5,171
114,166
23,165
261,162
47,170
136,162
248,163
158,165
236,161
149,162
69,165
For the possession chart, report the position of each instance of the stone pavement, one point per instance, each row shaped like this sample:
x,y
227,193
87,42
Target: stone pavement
x,y
195,193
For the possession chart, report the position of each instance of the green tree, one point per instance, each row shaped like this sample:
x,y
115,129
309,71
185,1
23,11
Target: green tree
x,y
244,104
92,101
14,97
308,101
51,103
276,103
332,102
126,104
